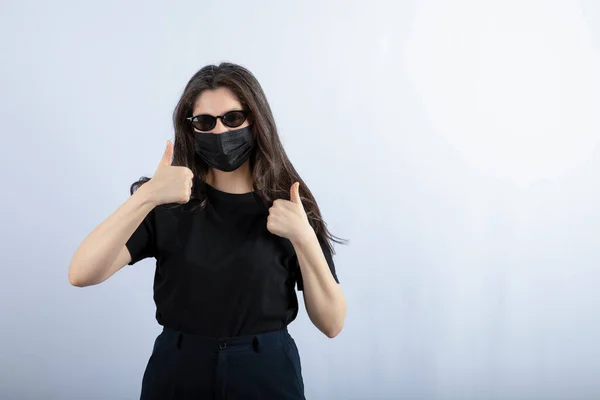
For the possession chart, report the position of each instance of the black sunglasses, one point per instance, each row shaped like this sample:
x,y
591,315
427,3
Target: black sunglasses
x,y
231,119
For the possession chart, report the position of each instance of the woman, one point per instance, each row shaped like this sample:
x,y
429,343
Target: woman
x,y
233,229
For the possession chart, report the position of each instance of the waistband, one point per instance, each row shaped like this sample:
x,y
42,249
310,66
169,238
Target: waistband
x,y
254,342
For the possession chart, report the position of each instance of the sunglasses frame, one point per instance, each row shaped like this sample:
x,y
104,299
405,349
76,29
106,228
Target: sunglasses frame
x,y
217,117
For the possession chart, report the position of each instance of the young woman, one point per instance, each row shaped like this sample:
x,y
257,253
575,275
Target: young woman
x,y
234,230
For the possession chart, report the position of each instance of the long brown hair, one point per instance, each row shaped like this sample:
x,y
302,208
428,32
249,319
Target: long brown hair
x,y
272,172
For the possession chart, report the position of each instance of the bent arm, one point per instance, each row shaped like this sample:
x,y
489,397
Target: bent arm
x,y
103,252
324,300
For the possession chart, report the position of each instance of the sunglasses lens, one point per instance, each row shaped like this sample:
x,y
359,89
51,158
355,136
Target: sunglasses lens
x,y
234,119
204,122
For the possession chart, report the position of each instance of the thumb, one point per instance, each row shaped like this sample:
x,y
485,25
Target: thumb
x,y
295,193
167,156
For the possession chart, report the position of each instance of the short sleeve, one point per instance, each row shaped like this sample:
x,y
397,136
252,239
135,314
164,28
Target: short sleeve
x,y
142,243
330,263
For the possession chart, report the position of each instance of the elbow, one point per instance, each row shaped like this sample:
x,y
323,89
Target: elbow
x,y
336,327
332,333
330,330
75,278
333,325
334,330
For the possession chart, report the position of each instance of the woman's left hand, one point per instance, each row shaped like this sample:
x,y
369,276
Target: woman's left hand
x,y
287,218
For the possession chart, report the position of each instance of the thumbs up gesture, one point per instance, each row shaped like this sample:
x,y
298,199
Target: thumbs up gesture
x,y
170,184
287,218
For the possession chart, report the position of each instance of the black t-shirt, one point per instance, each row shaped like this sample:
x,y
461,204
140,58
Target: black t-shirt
x,y
219,271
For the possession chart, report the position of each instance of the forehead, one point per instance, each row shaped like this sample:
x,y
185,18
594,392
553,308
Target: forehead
x,y
216,102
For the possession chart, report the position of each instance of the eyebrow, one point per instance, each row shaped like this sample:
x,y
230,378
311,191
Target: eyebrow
x,y
212,115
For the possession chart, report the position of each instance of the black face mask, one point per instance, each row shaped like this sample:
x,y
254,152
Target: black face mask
x,y
225,151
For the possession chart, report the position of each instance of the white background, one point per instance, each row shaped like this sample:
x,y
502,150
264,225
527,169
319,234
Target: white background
x,y
454,143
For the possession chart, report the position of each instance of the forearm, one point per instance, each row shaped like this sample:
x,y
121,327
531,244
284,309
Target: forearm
x,y
96,254
323,297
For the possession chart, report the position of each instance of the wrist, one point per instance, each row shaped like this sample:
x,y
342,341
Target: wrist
x,y
304,237
145,195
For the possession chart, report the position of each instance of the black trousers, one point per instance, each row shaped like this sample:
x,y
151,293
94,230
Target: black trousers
x,y
185,366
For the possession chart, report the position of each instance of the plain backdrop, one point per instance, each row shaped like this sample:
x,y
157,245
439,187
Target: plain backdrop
x,y
454,143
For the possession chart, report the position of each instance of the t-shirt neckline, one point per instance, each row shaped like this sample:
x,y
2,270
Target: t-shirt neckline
x,y
230,197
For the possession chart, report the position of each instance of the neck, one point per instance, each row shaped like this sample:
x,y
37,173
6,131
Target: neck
x,y
236,182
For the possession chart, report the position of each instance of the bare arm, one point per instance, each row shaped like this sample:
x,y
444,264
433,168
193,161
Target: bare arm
x,y
323,297
324,300
103,252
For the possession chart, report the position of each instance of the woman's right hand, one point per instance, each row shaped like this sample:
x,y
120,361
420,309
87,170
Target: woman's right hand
x,y
169,184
